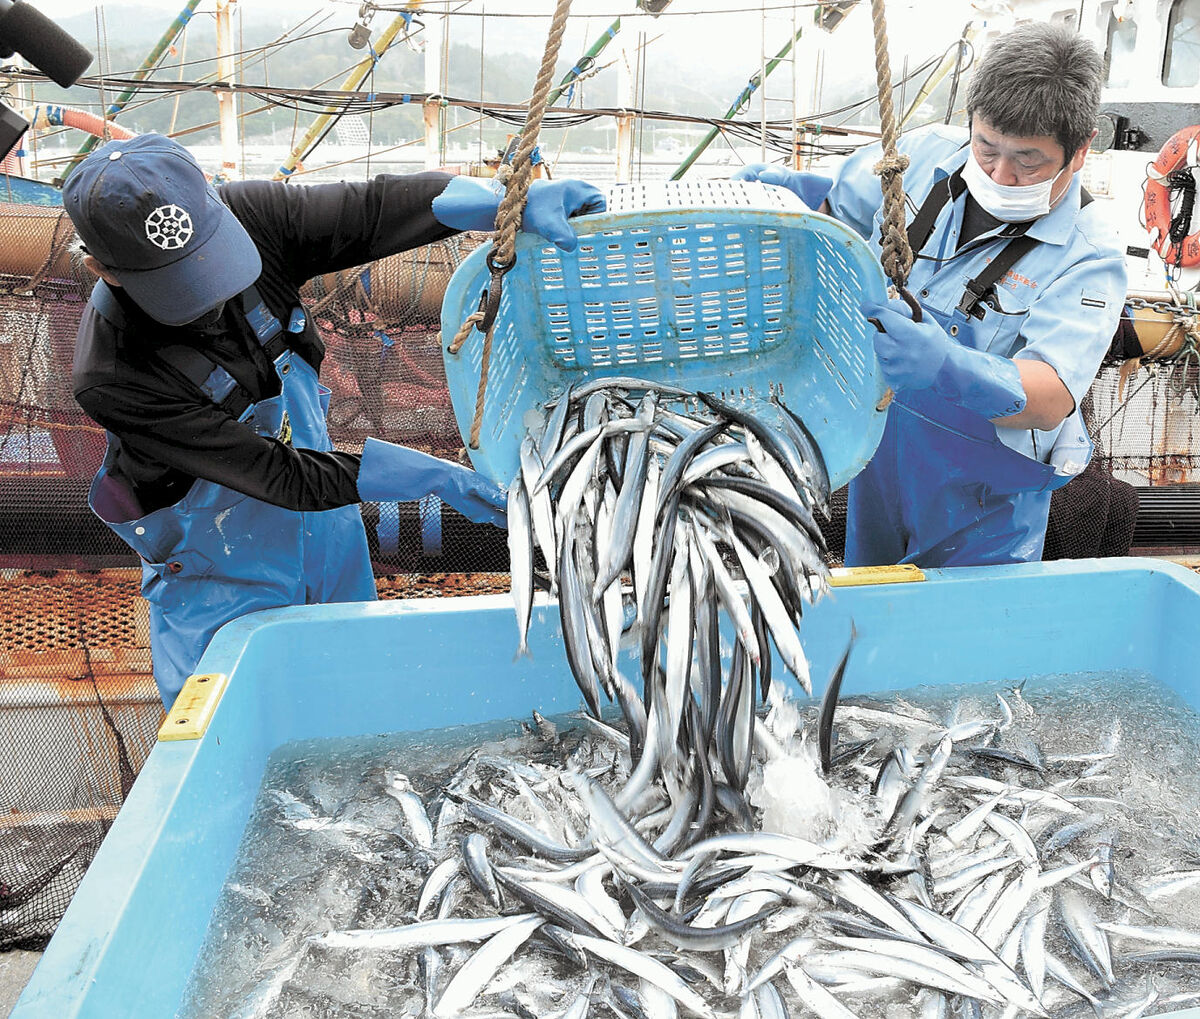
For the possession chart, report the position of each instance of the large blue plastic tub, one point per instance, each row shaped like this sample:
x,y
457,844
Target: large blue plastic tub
x,y
128,942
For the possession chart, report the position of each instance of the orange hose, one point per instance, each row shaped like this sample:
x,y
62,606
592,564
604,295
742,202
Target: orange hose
x,y
46,115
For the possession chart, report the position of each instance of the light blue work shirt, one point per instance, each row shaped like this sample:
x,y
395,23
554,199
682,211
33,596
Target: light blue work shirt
x,y
1059,303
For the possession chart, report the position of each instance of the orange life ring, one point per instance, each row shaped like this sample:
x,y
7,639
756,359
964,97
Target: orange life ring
x,y
1179,151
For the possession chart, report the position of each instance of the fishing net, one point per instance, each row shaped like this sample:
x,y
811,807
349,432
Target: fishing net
x,y
1140,491
78,715
1094,514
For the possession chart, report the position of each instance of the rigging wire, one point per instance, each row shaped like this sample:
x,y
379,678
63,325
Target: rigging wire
x,y
460,12
182,51
241,73
317,99
480,120
779,135
967,50
247,55
420,140
263,52
202,84
102,51
259,54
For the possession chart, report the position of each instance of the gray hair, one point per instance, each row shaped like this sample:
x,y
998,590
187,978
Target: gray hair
x,y
1039,80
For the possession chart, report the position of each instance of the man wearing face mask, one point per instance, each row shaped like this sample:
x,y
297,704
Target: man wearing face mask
x,y
197,357
1021,283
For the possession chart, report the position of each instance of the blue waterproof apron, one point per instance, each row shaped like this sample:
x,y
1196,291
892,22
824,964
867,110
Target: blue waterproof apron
x,y
217,554
943,490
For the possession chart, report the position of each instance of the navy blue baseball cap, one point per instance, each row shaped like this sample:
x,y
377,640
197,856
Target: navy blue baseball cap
x,y
144,209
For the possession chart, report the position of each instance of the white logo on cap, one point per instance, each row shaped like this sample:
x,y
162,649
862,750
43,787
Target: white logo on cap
x,y
169,227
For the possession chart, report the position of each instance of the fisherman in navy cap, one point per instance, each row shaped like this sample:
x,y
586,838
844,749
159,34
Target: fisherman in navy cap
x,y
196,356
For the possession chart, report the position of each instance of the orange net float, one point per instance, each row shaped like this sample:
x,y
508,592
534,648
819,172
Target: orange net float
x,y
1178,154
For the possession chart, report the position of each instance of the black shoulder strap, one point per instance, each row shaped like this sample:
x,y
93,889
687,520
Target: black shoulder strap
x,y
213,380
267,328
206,375
921,226
982,285
920,229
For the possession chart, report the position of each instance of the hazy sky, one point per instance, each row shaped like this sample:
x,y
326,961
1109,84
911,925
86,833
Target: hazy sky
x,y
693,38
730,23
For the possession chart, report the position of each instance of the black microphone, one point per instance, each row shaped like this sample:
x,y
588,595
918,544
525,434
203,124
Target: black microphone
x,y
25,30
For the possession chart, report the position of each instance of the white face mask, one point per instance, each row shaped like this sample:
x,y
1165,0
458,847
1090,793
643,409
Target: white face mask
x,y
1009,203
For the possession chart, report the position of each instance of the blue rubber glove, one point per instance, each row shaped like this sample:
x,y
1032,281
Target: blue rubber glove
x,y
551,202
392,473
920,355
469,203
811,188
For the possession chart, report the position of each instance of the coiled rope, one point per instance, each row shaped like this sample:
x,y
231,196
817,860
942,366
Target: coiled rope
x,y
502,257
895,254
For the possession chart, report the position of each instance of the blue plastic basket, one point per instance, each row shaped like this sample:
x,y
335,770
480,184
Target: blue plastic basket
x,y
726,286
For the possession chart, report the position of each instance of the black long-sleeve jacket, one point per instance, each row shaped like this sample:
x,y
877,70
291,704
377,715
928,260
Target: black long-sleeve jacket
x,y
170,432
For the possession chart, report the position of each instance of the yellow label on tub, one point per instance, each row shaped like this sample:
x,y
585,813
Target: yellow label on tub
x,y
855,576
193,708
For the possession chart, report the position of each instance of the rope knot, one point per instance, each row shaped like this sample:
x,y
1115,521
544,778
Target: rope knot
x,y
891,165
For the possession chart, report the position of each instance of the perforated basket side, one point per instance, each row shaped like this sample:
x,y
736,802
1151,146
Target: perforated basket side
x,y
732,299
701,194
